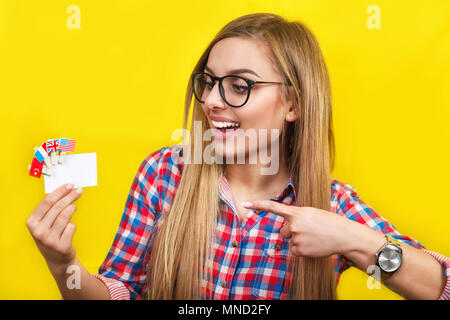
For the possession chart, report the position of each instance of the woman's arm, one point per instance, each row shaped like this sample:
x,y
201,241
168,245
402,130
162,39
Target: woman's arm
x,y
76,283
50,227
124,270
422,272
357,233
420,276
123,273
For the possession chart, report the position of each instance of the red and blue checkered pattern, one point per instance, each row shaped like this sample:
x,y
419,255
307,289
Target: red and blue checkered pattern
x,y
251,256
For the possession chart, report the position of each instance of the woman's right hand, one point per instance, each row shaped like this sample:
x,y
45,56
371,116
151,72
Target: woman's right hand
x,y
50,226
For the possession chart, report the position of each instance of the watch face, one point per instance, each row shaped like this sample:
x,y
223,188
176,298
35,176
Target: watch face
x,y
389,259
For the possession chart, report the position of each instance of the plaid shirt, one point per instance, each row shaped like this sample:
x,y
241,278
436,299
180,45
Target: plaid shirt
x,y
251,256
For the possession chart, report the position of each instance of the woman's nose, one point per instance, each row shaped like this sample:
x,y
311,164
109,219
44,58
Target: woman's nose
x,y
214,100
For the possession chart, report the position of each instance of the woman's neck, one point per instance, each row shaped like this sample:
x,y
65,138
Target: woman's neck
x,y
248,178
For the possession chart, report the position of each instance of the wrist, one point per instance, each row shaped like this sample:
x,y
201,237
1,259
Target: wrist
x,y
60,269
362,243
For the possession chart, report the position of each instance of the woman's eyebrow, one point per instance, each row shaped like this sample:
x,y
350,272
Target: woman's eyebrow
x,y
235,71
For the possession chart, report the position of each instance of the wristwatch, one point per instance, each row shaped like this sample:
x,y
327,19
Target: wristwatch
x,y
389,258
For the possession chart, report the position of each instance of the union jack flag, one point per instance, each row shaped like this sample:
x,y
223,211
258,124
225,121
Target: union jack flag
x,y
52,145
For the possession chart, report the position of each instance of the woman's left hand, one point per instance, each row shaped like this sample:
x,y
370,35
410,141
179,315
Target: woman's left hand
x,y
311,232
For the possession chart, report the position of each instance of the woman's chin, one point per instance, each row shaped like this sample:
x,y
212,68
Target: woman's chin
x,y
232,154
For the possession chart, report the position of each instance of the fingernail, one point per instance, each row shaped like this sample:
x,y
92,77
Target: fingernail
x,y
79,191
246,204
69,186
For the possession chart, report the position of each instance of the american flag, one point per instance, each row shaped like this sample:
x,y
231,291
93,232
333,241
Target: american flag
x,y
66,144
52,145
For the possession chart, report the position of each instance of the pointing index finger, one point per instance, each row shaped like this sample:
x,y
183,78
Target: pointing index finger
x,y
277,208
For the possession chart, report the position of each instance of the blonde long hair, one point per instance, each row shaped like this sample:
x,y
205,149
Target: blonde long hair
x,y
180,264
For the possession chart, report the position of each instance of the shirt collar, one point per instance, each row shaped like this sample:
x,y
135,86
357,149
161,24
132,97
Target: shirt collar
x,y
287,195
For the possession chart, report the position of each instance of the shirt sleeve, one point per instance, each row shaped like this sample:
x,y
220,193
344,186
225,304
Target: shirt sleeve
x,y
352,207
124,270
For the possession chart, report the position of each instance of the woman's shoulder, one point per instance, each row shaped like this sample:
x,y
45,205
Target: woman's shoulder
x,y
159,174
341,189
172,154
163,164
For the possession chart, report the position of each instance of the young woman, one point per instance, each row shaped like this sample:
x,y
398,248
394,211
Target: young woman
x,y
224,230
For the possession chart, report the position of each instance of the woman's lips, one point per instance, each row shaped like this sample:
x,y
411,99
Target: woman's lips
x,y
224,133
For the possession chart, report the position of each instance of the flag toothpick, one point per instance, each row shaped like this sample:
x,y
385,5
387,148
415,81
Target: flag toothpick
x,y
47,171
54,157
62,156
48,163
46,156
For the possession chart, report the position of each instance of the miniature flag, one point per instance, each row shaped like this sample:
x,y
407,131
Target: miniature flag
x,y
66,144
35,169
41,154
47,159
52,145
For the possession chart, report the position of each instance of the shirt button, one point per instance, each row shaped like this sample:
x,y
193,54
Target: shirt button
x,y
277,247
223,284
234,244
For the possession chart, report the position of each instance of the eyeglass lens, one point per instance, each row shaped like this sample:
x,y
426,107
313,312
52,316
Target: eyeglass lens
x,y
235,89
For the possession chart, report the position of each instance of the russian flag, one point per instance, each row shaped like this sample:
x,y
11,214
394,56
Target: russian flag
x,y
41,154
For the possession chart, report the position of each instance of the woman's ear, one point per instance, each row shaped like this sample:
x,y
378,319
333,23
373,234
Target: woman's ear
x,y
292,113
292,107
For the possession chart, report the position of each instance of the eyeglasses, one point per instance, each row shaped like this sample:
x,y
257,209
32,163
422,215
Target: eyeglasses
x,y
235,90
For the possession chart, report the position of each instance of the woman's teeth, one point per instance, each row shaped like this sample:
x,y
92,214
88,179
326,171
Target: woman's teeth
x,y
221,125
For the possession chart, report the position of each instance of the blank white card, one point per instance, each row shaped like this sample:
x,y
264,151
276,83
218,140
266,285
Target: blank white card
x,y
79,169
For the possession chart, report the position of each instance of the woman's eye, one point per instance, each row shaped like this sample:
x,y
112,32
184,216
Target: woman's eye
x,y
207,84
240,89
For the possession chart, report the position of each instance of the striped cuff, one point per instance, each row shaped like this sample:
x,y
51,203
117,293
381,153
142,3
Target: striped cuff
x,y
117,290
445,295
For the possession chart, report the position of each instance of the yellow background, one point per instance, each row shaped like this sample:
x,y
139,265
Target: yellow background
x,y
117,86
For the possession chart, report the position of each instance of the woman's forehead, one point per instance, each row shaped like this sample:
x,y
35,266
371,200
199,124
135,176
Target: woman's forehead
x,y
241,53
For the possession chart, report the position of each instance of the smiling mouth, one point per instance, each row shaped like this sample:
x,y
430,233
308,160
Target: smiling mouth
x,y
224,126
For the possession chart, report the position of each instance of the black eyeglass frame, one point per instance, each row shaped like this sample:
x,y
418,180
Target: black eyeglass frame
x,y
249,82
